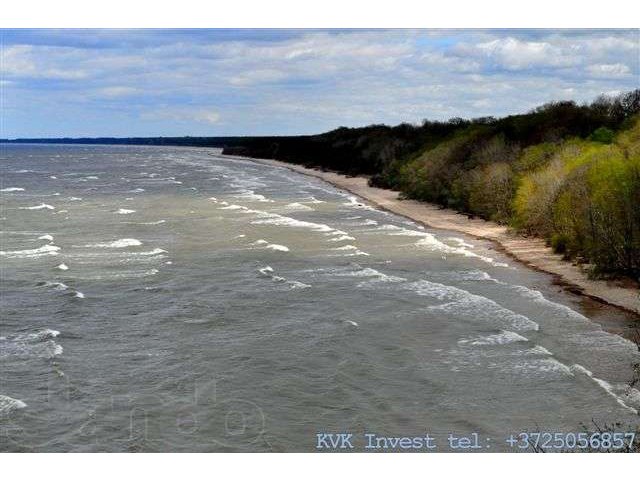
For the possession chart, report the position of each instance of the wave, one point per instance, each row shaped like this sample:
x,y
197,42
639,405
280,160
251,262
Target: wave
x,y
430,242
312,199
373,275
32,253
462,302
272,246
350,248
46,237
341,238
121,243
12,189
158,222
540,350
540,366
346,247
268,272
8,404
353,202
37,344
122,275
62,266
233,207
282,221
54,285
460,242
296,207
629,393
42,206
278,248
124,211
502,338
252,196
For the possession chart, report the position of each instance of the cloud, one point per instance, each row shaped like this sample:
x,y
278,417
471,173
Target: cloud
x,y
514,54
297,81
117,91
25,61
609,70
207,116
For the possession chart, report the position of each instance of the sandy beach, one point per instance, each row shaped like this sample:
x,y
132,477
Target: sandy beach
x,y
530,251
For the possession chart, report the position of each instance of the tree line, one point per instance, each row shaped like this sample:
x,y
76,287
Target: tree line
x,y
566,172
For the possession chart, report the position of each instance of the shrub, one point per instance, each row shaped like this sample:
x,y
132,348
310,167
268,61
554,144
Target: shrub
x,y
602,135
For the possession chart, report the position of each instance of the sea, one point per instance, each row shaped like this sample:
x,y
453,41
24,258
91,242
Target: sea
x,y
173,299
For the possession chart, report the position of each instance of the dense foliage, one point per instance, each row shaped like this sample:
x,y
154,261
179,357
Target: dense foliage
x,y
566,172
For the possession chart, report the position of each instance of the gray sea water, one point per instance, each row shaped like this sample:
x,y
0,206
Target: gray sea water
x,y
170,299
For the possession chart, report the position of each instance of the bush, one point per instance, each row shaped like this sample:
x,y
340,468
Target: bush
x,y
602,135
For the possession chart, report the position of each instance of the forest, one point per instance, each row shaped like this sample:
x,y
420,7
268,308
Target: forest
x,y
565,172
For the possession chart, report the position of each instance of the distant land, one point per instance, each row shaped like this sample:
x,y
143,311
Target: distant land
x,y
216,142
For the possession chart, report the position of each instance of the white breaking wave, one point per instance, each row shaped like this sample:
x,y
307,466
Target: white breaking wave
x,y
158,222
346,247
373,276
252,196
62,266
312,199
272,246
55,285
38,344
460,242
233,207
355,203
125,211
121,243
282,221
278,248
461,302
341,238
32,253
39,207
540,350
502,338
430,242
7,404
538,297
12,189
293,284
296,207
350,248
46,237
628,393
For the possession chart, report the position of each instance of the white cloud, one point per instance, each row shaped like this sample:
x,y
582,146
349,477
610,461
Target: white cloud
x,y
26,61
200,115
305,82
117,91
609,70
514,54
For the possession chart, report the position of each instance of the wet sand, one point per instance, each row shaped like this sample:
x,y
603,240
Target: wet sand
x,y
528,250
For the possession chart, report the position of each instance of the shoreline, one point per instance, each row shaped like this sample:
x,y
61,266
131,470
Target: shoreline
x,y
530,251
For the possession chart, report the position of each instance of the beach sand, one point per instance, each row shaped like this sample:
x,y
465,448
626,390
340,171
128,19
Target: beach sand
x,y
528,250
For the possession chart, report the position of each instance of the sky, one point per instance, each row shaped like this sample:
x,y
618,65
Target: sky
x,y
87,83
